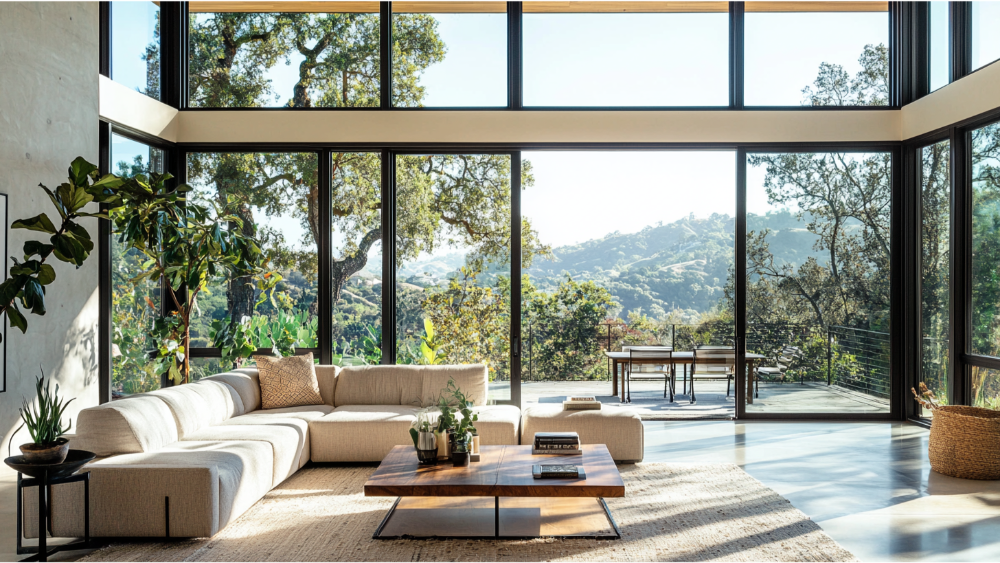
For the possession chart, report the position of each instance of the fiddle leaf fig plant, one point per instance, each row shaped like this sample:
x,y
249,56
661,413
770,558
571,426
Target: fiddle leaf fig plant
x,y
68,242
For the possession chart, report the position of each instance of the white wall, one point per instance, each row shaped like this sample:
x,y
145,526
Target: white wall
x,y
48,117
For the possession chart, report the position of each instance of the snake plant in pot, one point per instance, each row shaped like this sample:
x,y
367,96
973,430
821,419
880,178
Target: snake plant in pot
x,y
44,422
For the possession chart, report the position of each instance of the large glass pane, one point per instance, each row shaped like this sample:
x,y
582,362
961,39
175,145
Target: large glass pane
x,y
985,39
276,195
453,258
816,58
818,240
940,44
357,258
133,306
986,388
135,46
283,59
986,240
450,59
935,263
640,253
633,59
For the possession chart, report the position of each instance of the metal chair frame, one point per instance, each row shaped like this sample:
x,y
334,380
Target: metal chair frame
x,y
658,353
714,355
788,357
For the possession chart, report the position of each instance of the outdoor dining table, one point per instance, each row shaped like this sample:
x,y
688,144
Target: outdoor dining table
x,y
683,358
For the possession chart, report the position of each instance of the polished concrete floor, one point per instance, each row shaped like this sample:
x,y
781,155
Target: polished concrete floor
x,y
712,401
869,485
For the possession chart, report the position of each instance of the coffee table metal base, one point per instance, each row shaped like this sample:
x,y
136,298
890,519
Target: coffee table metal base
x,y
498,517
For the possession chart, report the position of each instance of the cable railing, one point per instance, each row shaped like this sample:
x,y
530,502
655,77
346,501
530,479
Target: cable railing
x,y
851,358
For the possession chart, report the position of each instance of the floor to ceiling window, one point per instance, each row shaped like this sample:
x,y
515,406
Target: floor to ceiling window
x,y
940,49
985,40
635,248
674,54
453,250
356,258
985,259
276,195
134,306
816,54
817,260
296,58
135,46
449,54
935,265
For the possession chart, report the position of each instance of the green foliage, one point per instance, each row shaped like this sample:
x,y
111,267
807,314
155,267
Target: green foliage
x,y
44,422
456,415
69,242
235,341
187,246
429,346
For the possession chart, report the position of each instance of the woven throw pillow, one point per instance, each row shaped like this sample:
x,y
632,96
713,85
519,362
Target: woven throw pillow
x,y
288,382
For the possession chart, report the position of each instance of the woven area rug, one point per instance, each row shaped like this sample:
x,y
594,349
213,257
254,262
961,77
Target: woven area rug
x,y
671,512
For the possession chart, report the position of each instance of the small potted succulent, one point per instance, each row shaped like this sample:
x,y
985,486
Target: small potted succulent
x,y
424,438
44,423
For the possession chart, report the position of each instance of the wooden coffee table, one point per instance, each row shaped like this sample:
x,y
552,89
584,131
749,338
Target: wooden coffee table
x,y
442,501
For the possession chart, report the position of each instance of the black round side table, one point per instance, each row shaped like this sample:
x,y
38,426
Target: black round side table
x,y
44,476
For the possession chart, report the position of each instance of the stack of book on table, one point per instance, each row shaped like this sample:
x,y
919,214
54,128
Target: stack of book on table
x,y
556,443
581,403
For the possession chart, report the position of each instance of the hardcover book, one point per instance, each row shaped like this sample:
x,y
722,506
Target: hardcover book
x,y
559,471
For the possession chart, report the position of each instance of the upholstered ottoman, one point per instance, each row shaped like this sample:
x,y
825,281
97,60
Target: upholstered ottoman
x,y
620,429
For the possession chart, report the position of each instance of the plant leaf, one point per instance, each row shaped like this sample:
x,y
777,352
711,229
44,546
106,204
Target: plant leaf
x,y
40,223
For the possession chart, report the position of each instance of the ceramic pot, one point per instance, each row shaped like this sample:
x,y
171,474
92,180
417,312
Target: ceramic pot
x,y
427,457
46,454
460,459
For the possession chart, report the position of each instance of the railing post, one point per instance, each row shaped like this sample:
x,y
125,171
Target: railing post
x,y
829,358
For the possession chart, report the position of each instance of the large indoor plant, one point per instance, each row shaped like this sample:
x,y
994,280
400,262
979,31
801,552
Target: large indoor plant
x,y
188,245
43,418
69,242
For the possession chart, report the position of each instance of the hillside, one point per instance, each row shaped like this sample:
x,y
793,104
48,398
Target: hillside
x,y
681,265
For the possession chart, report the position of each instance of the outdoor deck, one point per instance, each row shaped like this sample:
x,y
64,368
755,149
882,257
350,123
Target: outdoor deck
x,y
647,398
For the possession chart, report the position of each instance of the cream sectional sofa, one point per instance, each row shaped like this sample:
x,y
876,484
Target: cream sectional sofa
x,y
188,460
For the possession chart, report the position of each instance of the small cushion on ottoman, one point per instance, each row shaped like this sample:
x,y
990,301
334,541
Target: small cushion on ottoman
x,y
288,382
620,429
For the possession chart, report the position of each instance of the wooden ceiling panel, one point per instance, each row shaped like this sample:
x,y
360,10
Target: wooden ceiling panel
x,y
623,7
776,7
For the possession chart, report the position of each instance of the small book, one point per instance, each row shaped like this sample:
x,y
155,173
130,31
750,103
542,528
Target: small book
x,y
550,436
581,406
560,471
582,398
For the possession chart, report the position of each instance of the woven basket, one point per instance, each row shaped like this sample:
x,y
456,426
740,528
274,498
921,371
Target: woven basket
x,y
965,442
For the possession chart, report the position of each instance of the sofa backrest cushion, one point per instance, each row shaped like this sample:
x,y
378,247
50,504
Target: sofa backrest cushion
x,y
200,405
379,385
472,379
327,377
132,425
418,386
245,382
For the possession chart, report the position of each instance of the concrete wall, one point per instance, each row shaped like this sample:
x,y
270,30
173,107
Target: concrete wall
x,y
48,117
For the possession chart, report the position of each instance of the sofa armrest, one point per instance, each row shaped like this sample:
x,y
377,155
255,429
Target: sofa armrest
x,y
130,501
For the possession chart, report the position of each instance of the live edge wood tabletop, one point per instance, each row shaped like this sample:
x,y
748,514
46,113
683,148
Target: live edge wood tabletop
x,y
504,471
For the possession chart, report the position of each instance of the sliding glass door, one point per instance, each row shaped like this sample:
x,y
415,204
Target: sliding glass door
x,y
818,282
453,252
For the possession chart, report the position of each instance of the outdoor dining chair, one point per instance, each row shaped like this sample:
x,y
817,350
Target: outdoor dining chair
x,y
713,363
787,358
649,362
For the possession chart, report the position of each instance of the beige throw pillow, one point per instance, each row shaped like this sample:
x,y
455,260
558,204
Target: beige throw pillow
x,y
288,382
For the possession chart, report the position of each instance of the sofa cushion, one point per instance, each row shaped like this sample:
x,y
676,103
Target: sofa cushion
x,y
140,423
245,383
286,439
361,432
327,377
296,418
201,404
380,385
498,424
288,382
472,379
618,428
209,485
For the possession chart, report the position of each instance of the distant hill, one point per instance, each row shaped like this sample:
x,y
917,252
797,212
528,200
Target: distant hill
x,y
680,265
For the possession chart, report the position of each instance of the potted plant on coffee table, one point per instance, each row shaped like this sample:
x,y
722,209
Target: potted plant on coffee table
x,y
424,438
461,429
44,423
